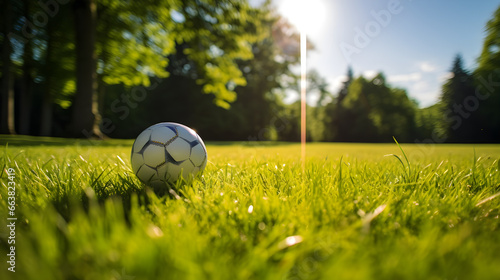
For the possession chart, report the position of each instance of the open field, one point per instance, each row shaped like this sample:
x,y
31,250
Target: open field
x,y
355,213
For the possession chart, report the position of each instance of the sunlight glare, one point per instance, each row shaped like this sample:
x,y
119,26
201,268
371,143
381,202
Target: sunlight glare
x,y
306,15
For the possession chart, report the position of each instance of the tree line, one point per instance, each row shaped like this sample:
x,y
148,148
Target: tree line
x,y
62,59
110,68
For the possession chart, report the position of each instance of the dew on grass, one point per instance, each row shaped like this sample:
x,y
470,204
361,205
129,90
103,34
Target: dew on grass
x,y
83,159
361,213
328,222
290,241
154,231
262,226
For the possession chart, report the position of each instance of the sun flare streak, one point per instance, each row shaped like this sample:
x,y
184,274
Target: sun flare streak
x,y
303,88
306,16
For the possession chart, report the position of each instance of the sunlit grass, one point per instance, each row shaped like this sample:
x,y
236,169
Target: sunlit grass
x,y
355,213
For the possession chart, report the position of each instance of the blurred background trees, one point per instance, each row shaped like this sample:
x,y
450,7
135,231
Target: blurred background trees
x,y
487,81
459,125
98,68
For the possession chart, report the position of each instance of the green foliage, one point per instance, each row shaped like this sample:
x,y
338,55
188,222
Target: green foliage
x,y
490,55
317,117
335,113
240,54
53,62
486,77
458,124
372,111
133,40
429,120
218,34
259,102
137,37
255,214
254,115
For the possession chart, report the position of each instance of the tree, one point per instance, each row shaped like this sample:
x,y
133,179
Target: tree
x,y
335,115
7,91
375,112
487,76
316,122
345,85
254,115
225,31
27,85
429,121
132,42
84,106
257,102
42,64
89,52
135,47
459,125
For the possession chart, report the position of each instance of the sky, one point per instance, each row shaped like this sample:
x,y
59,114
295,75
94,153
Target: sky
x,y
413,42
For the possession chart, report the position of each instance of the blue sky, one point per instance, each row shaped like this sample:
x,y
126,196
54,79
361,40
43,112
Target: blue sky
x,y
414,49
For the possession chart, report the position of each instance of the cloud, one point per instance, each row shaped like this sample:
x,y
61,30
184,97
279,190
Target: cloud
x,y
421,86
425,92
445,77
413,77
335,84
426,98
370,74
427,67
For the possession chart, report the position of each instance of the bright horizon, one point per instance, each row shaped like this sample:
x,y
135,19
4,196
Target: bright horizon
x,y
412,42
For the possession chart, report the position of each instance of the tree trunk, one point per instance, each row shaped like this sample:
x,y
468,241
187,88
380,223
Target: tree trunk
x,y
25,99
27,82
46,110
7,91
85,103
46,105
99,111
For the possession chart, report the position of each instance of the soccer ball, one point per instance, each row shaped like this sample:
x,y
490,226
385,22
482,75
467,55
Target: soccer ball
x,y
165,152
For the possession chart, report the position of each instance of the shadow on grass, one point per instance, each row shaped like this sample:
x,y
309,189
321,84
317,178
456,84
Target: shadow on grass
x,y
24,140
124,190
250,143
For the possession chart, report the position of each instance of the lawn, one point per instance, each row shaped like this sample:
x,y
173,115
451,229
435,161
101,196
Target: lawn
x,y
357,211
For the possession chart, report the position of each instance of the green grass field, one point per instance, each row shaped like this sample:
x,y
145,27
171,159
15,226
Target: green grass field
x,y
357,212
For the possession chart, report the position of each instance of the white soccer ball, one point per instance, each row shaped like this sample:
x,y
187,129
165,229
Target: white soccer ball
x,y
165,152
